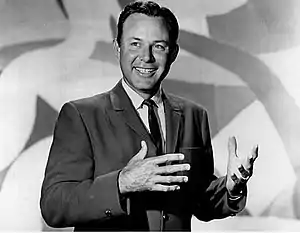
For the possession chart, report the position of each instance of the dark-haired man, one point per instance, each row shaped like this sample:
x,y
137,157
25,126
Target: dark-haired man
x,y
137,158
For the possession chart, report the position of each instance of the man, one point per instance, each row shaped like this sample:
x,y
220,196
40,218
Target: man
x,y
137,158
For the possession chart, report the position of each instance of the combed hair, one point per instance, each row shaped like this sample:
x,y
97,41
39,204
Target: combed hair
x,y
151,9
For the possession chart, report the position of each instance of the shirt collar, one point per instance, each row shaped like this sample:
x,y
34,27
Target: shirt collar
x,y
136,99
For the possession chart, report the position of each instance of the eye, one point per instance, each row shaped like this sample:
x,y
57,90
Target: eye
x,y
135,44
160,47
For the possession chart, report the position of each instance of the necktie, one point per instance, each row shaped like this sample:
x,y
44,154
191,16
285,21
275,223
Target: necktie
x,y
154,125
155,217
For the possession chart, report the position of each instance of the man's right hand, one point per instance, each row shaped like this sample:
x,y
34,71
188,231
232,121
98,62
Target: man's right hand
x,y
142,174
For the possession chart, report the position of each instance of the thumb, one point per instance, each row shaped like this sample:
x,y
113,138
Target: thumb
x,y
142,153
254,154
232,147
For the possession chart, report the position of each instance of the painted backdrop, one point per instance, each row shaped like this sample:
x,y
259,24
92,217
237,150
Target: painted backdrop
x,y
238,58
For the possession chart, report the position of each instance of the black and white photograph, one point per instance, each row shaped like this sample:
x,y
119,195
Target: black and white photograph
x,y
162,115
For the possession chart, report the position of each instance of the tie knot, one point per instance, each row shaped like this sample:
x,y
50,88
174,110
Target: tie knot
x,y
150,103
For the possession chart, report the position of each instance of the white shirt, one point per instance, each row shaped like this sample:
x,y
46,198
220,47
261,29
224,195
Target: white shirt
x,y
142,110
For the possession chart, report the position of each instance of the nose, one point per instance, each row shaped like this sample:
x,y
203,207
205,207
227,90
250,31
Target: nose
x,y
147,55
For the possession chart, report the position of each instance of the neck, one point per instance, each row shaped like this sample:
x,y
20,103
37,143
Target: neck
x,y
144,94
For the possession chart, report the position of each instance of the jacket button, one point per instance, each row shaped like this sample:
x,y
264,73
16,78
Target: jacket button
x,y
108,213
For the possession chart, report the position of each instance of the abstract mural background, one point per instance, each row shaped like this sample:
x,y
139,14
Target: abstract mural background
x,y
238,58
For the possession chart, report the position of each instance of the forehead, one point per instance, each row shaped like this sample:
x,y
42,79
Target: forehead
x,y
145,28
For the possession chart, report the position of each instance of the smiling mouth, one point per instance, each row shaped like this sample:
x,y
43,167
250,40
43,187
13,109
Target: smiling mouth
x,y
145,71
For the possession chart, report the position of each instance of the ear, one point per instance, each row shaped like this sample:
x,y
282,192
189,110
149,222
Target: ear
x,y
116,48
174,53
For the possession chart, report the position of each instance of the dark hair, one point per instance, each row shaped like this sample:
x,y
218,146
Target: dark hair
x,y
152,9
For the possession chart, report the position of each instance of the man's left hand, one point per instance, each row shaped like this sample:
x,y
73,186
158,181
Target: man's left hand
x,y
239,169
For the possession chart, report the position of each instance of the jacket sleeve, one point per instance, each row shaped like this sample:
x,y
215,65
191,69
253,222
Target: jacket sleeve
x,y
71,195
212,200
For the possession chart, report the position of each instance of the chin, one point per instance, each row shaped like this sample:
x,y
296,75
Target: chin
x,y
145,86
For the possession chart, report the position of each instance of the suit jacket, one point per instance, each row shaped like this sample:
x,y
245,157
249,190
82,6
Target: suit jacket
x,y
95,137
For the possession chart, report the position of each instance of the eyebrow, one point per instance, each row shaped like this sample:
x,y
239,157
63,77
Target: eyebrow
x,y
156,41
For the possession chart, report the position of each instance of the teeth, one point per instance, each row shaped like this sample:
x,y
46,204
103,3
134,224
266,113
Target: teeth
x,y
146,71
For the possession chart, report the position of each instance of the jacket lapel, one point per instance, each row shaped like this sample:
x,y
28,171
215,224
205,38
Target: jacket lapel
x,y
173,116
123,107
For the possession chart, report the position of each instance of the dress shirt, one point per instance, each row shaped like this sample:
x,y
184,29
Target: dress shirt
x,y
142,109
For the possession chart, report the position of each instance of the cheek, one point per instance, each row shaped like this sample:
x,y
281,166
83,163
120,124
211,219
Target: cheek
x,y
162,65
128,58
132,55
161,59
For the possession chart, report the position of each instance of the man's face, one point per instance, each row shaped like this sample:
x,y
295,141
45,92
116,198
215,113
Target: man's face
x,y
144,53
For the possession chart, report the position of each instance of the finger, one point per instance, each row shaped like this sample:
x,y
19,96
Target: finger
x,y
164,188
251,158
142,153
168,158
173,168
170,179
232,147
241,176
234,178
244,173
254,153
244,180
236,169
239,184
